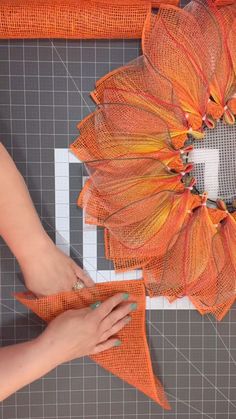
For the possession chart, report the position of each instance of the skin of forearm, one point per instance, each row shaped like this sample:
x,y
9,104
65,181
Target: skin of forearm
x,y
24,363
20,226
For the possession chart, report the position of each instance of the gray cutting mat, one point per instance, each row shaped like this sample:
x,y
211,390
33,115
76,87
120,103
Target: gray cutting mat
x,y
44,92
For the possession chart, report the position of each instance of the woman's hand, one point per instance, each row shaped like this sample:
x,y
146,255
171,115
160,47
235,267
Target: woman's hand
x,y
45,268
49,271
88,331
71,335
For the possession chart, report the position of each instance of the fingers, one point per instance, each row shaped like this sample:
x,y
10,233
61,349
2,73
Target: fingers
x,y
115,328
104,346
107,306
80,274
121,311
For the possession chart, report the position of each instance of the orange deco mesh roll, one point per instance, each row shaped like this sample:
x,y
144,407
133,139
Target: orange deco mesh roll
x,y
131,361
74,18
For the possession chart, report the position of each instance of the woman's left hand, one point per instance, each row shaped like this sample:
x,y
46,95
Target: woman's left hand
x,y
50,271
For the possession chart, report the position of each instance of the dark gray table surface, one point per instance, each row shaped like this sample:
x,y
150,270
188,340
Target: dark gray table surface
x,y
44,92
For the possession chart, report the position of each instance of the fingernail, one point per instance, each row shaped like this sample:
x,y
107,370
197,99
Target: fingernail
x,y
133,306
95,305
125,296
117,343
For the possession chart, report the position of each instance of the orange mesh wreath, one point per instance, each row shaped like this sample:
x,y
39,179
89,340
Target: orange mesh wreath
x,y
135,148
131,361
74,18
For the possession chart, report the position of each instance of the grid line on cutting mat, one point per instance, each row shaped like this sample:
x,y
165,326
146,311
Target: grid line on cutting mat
x,y
44,89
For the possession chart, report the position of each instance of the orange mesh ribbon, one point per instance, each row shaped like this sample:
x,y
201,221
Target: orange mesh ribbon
x,y
74,18
223,2
131,361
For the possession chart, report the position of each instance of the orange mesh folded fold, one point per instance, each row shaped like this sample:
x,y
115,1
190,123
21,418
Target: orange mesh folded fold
x,y
74,18
131,361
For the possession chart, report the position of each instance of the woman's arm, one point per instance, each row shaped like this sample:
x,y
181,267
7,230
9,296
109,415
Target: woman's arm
x,y
20,226
45,268
23,363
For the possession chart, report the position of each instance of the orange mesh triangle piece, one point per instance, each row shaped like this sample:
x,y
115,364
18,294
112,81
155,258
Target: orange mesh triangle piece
x,y
131,361
74,18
